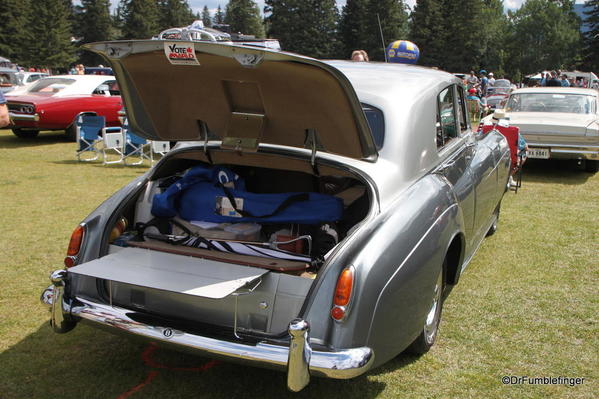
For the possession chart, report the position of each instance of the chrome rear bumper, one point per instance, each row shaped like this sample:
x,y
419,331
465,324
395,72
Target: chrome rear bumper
x,y
569,151
299,359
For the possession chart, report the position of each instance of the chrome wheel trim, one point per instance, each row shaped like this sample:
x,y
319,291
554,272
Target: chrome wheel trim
x,y
432,318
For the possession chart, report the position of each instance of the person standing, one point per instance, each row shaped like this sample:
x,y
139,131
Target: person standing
x,y
554,81
4,119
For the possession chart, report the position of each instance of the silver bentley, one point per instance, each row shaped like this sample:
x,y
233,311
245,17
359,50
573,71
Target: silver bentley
x,y
392,143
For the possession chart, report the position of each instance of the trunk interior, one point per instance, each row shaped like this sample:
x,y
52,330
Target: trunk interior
x,y
238,279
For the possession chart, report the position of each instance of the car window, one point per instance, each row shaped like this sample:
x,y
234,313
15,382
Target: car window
x,y
551,102
376,121
109,87
33,78
462,109
51,85
446,117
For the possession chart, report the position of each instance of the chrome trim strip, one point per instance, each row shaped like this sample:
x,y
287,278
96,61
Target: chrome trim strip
x,y
340,364
24,117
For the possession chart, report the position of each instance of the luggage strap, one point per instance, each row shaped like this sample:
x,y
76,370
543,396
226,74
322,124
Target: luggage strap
x,y
284,205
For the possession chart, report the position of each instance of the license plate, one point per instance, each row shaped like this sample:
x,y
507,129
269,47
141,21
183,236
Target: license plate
x,y
541,153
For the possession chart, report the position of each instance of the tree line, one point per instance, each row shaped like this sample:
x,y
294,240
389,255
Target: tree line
x,y
454,35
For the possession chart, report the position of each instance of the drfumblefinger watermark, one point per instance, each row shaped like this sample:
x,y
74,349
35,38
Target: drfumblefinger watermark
x,y
527,380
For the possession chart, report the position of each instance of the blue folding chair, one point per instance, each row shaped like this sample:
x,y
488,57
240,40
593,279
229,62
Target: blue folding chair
x,y
89,128
135,147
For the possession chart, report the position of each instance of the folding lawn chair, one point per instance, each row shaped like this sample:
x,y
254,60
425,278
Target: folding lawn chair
x,y
159,148
512,134
88,129
135,147
114,145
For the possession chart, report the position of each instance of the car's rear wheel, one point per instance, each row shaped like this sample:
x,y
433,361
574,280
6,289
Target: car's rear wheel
x,y
591,166
25,134
428,335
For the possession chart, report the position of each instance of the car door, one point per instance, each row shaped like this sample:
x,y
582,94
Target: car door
x,y
455,153
483,167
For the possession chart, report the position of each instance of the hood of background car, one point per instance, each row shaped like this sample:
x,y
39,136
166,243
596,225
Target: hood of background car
x,y
240,95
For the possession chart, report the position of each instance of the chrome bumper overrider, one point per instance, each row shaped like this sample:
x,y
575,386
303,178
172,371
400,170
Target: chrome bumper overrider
x,y
24,117
298,359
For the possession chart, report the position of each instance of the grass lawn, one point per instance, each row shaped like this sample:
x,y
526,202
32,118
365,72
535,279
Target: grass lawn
x,y
526,306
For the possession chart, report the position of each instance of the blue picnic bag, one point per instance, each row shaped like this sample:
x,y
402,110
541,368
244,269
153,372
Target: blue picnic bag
x,y
216,194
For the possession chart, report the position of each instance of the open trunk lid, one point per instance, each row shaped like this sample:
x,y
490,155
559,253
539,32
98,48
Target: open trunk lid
x,y
240,95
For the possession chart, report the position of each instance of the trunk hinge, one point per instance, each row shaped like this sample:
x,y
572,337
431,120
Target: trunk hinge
x,y
204,132
313,142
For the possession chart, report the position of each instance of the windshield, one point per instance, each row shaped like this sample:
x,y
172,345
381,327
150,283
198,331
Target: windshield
x,y
50,85
551,102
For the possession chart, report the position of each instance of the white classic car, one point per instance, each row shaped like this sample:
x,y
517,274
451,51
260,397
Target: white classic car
x,y
557,122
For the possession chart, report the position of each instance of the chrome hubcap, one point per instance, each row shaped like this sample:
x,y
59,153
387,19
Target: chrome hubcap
x,y
432,319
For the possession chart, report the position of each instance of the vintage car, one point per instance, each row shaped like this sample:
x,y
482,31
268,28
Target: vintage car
x,y
53,103
500,86
494,101
556,122
391,144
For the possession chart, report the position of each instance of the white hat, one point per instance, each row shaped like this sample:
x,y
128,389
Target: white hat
x,y
490,73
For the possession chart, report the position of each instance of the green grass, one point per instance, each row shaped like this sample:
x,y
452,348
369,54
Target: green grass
x,y
527,304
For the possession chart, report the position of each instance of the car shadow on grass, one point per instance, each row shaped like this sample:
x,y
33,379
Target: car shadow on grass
x,y
89,363
9,140
554,171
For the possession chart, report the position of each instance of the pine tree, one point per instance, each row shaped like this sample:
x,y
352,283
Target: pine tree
x,y
219,16
463,21
427,31
140,19
352,27
49,35
244,17
14,15
174,14
206,18
93,23
393,23
591,38
304,26
492,37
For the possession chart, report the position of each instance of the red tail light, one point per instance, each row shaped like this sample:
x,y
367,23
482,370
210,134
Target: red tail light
x,y
74,246
343,292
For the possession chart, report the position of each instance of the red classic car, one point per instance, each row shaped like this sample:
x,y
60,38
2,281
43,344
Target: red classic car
x,y
54,102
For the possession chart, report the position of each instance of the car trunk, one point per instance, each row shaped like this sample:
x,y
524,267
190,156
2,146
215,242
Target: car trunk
x,y
560,128
219,291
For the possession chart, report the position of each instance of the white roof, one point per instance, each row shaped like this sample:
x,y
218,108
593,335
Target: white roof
x,y
83,84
